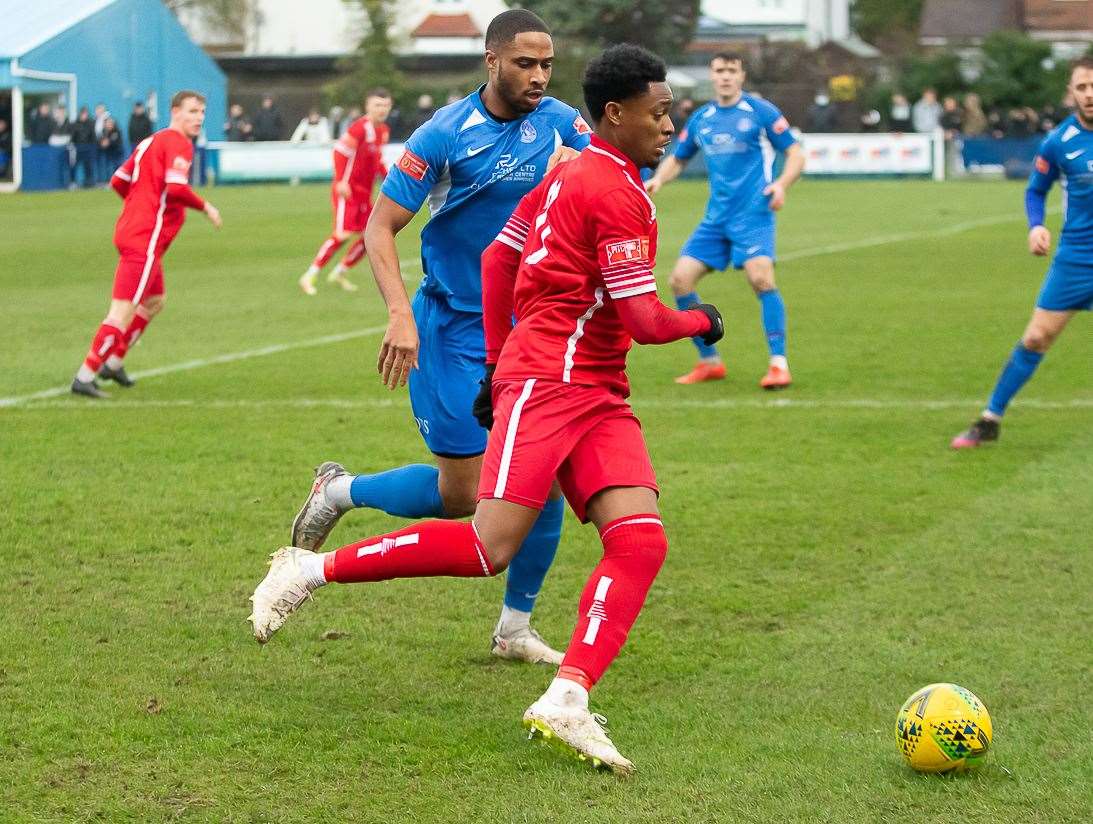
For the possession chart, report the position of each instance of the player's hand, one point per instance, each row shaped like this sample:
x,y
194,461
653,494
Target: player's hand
x,y
563,154
213,214
1039,240
341,189
398,354
717,323
777,193
652,185
482,409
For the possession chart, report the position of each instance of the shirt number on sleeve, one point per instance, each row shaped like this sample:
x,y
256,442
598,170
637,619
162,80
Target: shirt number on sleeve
x,y
542,227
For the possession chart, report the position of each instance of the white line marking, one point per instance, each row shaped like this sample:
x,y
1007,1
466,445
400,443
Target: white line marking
x,y
199,363
78,404
903,237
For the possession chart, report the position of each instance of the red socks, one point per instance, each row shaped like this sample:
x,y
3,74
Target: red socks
x,y
427,549
132,334
326,252
354,255
634,548
103,343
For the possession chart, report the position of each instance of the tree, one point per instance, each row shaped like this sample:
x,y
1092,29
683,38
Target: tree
x,y
1019,71
662,26
892,24
227,17
372,63
940,72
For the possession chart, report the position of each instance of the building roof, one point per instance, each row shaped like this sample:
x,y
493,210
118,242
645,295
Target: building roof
x,y
968,19
447,25
29,25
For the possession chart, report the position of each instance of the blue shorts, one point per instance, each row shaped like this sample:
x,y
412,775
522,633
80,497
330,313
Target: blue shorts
x,y
718,244
1068,286
451,360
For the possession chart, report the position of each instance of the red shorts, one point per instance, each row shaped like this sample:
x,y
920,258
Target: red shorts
x,y
351,213
586,436
139,275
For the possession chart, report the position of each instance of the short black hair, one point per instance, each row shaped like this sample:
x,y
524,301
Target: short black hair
x,y
379,91
730,57
619,73
505,26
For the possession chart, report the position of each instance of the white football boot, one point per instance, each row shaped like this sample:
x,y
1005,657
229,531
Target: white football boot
x,y
307,284
571,728
337,278
320,511
523,644
281,592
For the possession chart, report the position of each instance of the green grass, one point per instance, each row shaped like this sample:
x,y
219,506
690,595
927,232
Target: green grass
x,y
829,556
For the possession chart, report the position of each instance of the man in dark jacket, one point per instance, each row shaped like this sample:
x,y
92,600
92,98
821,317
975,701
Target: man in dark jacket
x,y
40,125
140,124
268,124
83,139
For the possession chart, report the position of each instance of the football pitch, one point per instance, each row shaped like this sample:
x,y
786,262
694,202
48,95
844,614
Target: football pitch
x,y
829,553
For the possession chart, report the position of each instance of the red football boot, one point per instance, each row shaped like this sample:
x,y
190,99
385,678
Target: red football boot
x,y
776,378
703,371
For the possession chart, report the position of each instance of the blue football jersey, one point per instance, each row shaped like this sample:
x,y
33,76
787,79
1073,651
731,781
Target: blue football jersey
x,y
474,169
731,137
1067,153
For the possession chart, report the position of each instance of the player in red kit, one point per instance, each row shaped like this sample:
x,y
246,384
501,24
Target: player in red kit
x,y
574,266
154,182
358,161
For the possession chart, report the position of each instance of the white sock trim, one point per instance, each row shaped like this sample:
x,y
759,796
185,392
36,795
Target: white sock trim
x,y
566,693
337,489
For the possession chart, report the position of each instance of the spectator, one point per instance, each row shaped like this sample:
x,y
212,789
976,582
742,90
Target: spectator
x,y
268,123
238,128
41,124
5,147
140,124
821,115
870,121
336,118
423,113
312,129
61,136
952,118
83,141
926,113
1021,122
975,121
899,114
101,172
111,150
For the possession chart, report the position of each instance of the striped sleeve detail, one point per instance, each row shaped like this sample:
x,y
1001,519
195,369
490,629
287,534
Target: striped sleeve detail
x,y
173,176
514,233
120,172
344,150
625,280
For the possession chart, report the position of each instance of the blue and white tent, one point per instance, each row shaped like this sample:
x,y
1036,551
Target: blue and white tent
x,y
115,52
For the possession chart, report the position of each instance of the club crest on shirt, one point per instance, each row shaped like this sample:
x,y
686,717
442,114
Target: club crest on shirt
x,y
414,166
1042,166
580,126
527,132
625,251
780,125
181,163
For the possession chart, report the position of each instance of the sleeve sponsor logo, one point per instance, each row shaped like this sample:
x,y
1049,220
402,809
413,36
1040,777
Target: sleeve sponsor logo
x,y
580,126
181,163
414,166
626,251
1042,166
780,125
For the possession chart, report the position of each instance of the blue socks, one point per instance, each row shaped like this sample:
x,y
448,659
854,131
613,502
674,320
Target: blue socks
x,y
528,569
408,492
1015,374
774,321
690,301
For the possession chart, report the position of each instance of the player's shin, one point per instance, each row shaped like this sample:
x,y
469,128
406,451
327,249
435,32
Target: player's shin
x,y
529,566
634,549
106,338
706,352
426,549
125,342
774,323
329,248
407,492
1015,374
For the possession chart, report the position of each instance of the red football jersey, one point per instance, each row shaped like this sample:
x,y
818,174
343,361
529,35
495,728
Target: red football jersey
x,y
588,236
149,216
358,155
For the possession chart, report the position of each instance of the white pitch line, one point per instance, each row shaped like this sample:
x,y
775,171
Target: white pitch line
x,y
880,240
903,237
79,404
199,363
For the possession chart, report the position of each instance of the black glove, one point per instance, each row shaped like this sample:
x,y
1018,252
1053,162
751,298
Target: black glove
x,y
717,324
482,409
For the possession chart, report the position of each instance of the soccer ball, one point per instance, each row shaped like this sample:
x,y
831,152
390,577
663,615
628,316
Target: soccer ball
x,y
943,728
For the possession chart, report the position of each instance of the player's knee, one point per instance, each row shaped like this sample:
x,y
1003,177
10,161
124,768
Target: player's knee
x,y
154,305
458,502
761,283
681,282
341,235
500,555
1038,338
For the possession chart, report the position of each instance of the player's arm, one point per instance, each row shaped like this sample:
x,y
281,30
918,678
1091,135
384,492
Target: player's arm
x,y
1044,173
782,139
122,178
178,190
398,352
574,140
623,243
344,151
